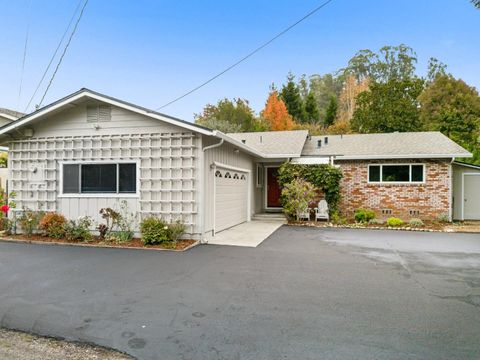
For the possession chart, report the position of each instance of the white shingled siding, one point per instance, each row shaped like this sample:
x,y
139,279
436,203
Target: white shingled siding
x,y
167,157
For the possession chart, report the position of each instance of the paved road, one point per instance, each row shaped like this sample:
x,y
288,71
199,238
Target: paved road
x,y
302,294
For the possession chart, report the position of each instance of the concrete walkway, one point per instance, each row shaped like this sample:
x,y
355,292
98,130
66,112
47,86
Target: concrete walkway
x,y
250,234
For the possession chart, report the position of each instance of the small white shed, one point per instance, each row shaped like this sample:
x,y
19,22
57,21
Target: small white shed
x,y
466,191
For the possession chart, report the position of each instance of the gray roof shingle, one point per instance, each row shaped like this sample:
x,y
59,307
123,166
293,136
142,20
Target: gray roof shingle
x,y
423,144
273,143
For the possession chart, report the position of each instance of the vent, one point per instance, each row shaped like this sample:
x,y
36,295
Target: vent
x,y
319,143
99,113
414,212
325,140
244,141
386,211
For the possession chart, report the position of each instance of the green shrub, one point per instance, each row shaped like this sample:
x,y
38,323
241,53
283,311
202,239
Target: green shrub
x,y
393,221
443,217
415,222
119,224
158,231
337,219
29,221
376,222
364,215
53,224
296,196
79,230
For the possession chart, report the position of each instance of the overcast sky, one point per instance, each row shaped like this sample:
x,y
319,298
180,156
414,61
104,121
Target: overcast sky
x,y
149,52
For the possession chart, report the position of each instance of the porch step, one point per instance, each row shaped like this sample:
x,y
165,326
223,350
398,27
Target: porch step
x,y
269,216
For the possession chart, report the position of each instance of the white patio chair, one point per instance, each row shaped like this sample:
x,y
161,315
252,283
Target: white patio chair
x,y
321,211
304,214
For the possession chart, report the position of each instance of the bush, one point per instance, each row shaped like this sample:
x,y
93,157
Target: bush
x,y
324,177
158,231
296,197
119,224
364,215
443,218
393,221
79,230
53,225
376,222
29,221
337,219
415,222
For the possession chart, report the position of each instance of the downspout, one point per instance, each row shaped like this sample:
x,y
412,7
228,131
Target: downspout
x,y
202,187
450,170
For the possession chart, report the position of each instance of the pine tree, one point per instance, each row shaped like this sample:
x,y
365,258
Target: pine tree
x,y
311,109
331,111
292,98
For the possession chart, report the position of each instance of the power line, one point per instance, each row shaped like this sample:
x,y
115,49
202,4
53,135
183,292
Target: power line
x,y
248,55
64,52
53,56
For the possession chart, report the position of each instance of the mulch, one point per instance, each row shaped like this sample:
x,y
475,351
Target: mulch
x,y
135,243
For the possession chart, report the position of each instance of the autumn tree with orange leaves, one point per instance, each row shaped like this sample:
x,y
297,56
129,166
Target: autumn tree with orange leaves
x,y
276,113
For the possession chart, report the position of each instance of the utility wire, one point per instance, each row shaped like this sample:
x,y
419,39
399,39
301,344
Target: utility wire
x,y
54,55
64,52
24,53
248,55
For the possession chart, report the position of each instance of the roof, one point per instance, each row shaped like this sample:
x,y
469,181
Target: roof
x,y
10,114
87,93
274,143
384,146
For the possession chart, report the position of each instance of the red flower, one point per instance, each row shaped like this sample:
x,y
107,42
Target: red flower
x,y
4,209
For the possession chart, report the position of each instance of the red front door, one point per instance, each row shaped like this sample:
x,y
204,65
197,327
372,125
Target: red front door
x,y
273,189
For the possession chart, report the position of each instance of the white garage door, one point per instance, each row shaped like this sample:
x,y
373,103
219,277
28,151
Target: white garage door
x,y
471,209
231,198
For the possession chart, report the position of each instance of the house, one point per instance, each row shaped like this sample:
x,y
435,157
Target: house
x,y
88,151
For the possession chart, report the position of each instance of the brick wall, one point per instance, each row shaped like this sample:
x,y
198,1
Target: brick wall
x,y
430,199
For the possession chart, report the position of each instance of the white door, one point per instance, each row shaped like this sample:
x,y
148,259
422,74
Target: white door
x,y
471,195
231,198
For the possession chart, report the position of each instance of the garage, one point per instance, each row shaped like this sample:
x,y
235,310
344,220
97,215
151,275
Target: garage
x,y
231,198
466,191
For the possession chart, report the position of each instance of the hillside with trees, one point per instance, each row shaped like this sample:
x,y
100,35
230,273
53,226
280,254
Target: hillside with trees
x,y
375,92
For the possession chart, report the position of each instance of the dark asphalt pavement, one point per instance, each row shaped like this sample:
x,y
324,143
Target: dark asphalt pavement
x,y
299,295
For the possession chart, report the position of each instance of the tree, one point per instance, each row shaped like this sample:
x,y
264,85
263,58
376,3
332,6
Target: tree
x,y
276,113
451,106
311,109
435,68
389,107
392,62
331,111
290,94
227,116
323,87
348,97
476,3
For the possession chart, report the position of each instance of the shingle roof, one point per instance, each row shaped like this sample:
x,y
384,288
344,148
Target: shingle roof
x,y
415,144
16,114
274,143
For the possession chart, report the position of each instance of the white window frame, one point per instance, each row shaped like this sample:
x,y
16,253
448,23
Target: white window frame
x,y
100,195
397,182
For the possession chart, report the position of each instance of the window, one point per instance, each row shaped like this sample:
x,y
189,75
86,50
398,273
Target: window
x,y
100,178
402,173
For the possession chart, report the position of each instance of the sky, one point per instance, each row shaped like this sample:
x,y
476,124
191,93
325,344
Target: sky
x,y
149,52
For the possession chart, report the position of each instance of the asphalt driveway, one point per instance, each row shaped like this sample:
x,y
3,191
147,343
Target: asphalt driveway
x,y
302,294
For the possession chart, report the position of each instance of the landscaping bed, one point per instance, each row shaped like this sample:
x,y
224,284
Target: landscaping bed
x,y
136,243
471,227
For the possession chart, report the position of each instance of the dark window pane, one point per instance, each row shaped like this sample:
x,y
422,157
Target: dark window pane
x,y
71,181
99,178
417,173
128,178
396,173
374,173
